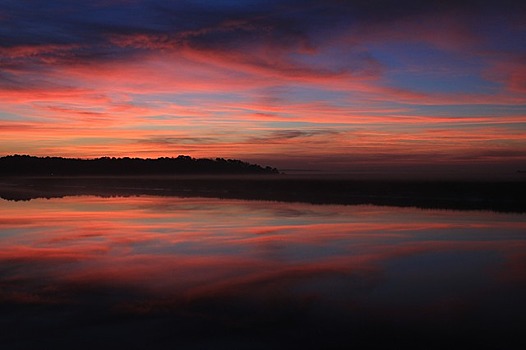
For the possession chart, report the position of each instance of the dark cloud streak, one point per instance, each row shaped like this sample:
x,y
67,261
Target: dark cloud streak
x,y
85,29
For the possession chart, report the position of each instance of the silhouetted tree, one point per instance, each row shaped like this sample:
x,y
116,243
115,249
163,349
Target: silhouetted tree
x,y
57,166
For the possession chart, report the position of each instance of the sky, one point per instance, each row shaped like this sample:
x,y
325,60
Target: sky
x,y
332,85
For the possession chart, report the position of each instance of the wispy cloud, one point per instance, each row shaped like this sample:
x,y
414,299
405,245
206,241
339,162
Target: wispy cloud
x,y
278,76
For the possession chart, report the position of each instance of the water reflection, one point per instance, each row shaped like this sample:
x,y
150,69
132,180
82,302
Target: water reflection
x,y
194,272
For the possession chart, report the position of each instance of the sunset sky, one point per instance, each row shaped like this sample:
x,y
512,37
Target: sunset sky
x,y
336,85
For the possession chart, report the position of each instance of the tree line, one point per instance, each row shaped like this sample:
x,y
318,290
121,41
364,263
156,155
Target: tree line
x,y
59,166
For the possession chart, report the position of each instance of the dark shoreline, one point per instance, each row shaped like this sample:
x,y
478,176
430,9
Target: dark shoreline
x,y
500,196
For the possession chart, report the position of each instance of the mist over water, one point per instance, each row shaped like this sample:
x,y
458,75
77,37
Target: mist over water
x,y
161,272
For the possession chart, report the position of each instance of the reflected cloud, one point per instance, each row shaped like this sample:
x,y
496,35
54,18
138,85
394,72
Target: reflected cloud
x,y
188,259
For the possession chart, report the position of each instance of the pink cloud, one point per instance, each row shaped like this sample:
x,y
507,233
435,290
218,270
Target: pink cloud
x,y
120,107
47,54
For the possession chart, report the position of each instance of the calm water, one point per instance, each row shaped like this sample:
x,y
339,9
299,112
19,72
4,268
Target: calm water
x,y
162,272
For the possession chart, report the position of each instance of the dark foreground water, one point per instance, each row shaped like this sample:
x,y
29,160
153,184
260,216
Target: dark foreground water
x,y
201,273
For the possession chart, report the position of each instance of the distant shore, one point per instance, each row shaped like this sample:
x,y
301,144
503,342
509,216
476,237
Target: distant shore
x,y
502,196
26,165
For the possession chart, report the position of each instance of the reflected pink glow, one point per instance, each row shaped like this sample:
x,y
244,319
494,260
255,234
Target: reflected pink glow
x,y
194,248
